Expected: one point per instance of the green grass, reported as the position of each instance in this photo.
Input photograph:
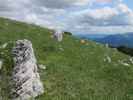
(78, 72)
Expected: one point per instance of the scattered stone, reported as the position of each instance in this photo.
(104, 60)
(58, 35)
(4, 45)
(26, 82)
(61, 49)
(107, 59)
(123, 63)
(1, 63)
(41, 66)
(131, 60)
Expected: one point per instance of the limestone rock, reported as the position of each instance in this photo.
(58, 35)
(4, 45)
(41, 66)
(1, 63)
(25, 79)
(131, 60)
(107, 59)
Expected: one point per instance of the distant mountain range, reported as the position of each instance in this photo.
(115, 40)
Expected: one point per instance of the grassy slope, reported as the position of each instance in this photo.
(78, 72)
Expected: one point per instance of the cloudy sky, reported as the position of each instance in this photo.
(77, 16)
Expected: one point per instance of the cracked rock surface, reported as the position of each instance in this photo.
(25, 79)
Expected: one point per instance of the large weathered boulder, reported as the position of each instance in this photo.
(25, 79)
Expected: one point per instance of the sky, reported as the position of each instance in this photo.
(77, 16)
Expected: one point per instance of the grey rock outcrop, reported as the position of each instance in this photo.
(58, 35)
(25, 80)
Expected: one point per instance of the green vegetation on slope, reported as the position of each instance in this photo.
(74, 71)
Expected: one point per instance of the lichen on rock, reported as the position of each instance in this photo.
(25, 78)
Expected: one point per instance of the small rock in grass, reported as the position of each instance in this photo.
(1, 63)
(41, 66)
(131, 60)
(108, 59)
(4, 45)
(61, 49)
(123, 63)
(58, 35)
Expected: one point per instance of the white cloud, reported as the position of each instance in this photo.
(106, 19)
(59, 14)
(61, 3)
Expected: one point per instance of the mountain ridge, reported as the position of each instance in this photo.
(118, 40)
(114, 40)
